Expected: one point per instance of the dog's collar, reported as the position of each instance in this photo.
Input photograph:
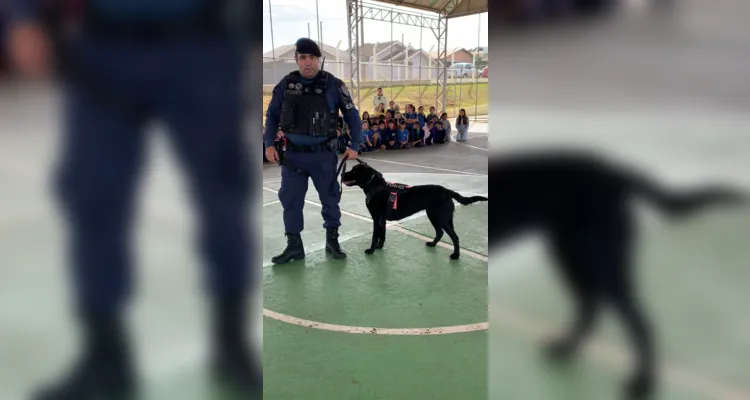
(374, 190)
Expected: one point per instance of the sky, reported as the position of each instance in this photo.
(291, 18)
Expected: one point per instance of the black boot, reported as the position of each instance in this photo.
(294, 250)
(104, 370)
(332, 244)
(232, 364)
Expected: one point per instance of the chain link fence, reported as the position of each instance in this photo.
(403, 84)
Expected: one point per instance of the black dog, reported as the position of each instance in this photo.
(581, 203)
(392, 202)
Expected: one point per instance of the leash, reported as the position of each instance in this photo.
(340, 171)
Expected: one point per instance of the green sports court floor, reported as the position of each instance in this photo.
(693, 275)
(405, 322)
(425, 316)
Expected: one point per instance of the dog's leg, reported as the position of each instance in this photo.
(566, 346)
(641, 383)
(375, 237)
(448, 227)
(614, 251)
(435, 220)
(381, 239)
(571, 257)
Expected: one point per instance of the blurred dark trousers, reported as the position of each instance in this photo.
(194, 87)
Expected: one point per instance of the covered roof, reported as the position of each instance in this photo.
(450, 8)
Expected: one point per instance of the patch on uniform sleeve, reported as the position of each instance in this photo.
(345, 91)
(346, 97)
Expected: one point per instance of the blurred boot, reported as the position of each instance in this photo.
(104, 369)
(232, 363)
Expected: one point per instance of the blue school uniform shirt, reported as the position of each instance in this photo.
(368, 134)
(410, 116)
(402, 135)
(390, 134)
(421, 120)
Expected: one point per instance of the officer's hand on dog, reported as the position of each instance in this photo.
(29, 49)
(350, 154)
(272, 155)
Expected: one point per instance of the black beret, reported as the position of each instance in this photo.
(307, 46)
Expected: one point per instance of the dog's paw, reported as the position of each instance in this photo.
(454, 256)
(369, 251)
(430, 244)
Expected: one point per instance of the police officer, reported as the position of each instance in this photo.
(132, 61)
(305, 106)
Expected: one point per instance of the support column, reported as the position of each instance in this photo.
(353, 19)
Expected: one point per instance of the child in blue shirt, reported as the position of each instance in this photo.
(402, 136)
(411, 119)
(377, 134)
(416, 139)
(439, 133)
(389, 137)
(421, 117)
(367, 142)
(431, 116)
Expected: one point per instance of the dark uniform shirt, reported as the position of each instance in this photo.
(120, 9)
(333, 96)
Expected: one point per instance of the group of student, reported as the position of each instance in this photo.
(390, 129)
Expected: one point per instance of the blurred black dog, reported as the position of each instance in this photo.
(392, 202)
(582, 204)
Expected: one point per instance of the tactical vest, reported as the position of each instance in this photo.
(305, 108)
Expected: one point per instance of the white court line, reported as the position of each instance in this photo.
(469, 253)
(272, 181)
(271, 203)
(614, 356)
(444, 330)
(382, 331)
(397, 227)
(473, 147)
(320, 205)
(422, 166)
(531, 327)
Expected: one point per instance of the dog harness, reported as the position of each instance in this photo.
(395, 189)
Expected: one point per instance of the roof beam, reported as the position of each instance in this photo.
(377, 13)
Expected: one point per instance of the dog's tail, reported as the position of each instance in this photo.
(685, 203)
(465, 200)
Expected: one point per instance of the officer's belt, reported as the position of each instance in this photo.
(314, 148)
(283, 145)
